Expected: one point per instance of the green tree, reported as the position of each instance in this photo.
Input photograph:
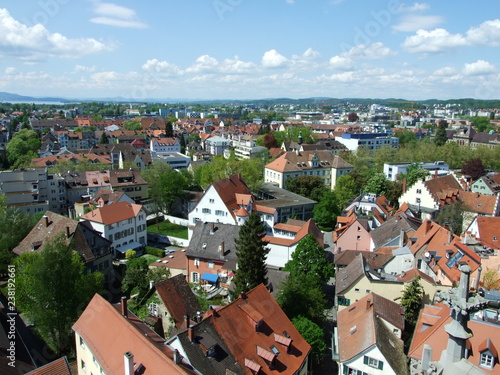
(377, 184)
(103, 140)
(135, 275)
(23, 147)
(299, 297)
(169, 129)
(413, 174)
(309, 261)
(411, 301)
(252, 252)
(53, 289)
(440, 138)
(311, 187)
(312, 333)
(452, 216)
(346, 188)
(132, 124)
(491, 280)
(327, 209)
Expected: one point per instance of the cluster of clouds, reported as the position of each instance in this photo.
(355, 68)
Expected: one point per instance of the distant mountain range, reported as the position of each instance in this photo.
(391, 102)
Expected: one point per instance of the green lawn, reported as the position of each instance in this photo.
(169, 229)
(150, 258)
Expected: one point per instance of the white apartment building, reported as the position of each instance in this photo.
(124, 224)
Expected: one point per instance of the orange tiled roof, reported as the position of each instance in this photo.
(109, 335)
(113, 213)
(235, 324)
(489, 231)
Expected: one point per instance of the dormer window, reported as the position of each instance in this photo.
(487, 360)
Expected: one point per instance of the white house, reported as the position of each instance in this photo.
(321, 163)
(124, 224)
(161, 145)
(216, 145)
(391, 170)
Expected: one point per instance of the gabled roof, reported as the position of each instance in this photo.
(489, 231)
(229, 189)
(442, 186)
(388, 232)
(480, 203)
(292, 161)
(109, 335)
(113, 213)
(108, 196)
(347, 276)
(178, 298)
(376, 260)
(361, 327)
(58, 367)
(207, 238)
(236, 322)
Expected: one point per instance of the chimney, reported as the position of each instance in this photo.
(128, 364)
(426, 357)
(404, 185)
(191, 334)
(435, 174)
(243, 295)
(368, 304)
(401, 238)
(46, 220)
(177, 357)
(186, 320)
(212, 228)
(124, 306)
(221, 248)
(68, 233)
(428, 225)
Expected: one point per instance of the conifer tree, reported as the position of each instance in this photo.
(412, 300)
(251, 251)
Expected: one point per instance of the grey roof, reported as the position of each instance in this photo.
(275, 197)
(401, 251)
(207, 238)
(206, 335)
(349, 275)
(391, 347)
(390, 231)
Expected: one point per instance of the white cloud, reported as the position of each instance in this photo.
(87, 69)
(488, 33)
(373, 51)
(446, 71)
(437, 40)
(116, 15)
(10, 70)
(479, 67)
(415, 7)
(36, 42)
(163, 67)
(273, 59)
(440, 40)
(414, 22)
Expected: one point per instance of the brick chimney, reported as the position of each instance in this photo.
(243, 295)
(221, 248)
(68, 232)
(368, 304)
(186, 320)
(128, 363)
(191, 334)
(46, 220)
(428, 225)
(124, 306)
(212, 228)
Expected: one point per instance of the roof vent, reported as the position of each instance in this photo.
(353, 330)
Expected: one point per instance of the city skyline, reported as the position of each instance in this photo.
(241, 49)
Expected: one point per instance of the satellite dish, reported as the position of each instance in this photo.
(427, 254)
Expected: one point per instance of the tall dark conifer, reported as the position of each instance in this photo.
(252, 252)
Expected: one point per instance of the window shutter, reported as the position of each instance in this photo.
(345, 370)
(365, 360)
(380, 365)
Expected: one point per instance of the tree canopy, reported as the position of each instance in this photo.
(53, 289)
(23, 147)
(132, 124)
(474, 168)
(327, 209)
(312, 333)
(310, 262)
(311, 187)
(252, 252)
(411, 300)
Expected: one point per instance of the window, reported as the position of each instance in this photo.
(130, 221)
(417, 200)
(210, 264)
(351, 371)
(487, 360)
(211, 201)
(196, 261)
(206, 210)
(356, 290)
(219, 213)
(372, 362)
(82, 365)
(195, 277)
(419, 191)
(82, 343)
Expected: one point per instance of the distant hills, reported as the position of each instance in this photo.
(390, 102)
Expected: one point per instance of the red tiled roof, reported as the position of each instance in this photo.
(109, 335)
(58, 367)
(243, 341)
(489, 231)
(113, 213)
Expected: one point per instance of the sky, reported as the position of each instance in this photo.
(250, 49)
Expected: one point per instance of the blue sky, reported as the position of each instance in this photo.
(250, 49)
